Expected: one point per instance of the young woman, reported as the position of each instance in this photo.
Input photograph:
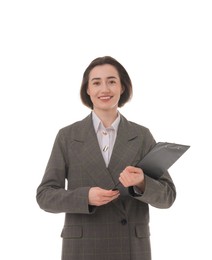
(107, 196)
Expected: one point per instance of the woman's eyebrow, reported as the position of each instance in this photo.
(95, 79)
(110, 77)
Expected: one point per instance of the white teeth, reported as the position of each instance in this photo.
(104, 97)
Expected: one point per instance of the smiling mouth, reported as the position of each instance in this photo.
(105, 97)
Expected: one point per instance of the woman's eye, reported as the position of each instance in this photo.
(96, 83)
(112, 82)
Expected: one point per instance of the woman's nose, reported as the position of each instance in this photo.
(105, 86)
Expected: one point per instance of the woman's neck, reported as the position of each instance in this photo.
(107, 117)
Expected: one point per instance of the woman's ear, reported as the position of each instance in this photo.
(122, 89)
(88, 92)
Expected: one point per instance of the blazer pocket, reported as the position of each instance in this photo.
(71, 232)
(142, 231)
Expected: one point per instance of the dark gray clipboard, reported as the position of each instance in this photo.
(162, 156)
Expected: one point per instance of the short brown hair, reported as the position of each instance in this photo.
(123, 75)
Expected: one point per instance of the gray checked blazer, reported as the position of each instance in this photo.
(120, 229)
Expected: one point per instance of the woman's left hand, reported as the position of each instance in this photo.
(132, 176)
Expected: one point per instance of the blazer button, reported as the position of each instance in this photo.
(123, 221)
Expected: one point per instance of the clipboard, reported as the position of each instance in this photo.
(162, 156)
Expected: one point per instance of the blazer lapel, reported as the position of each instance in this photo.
(125, 149)
(91, 157)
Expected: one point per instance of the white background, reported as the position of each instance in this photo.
(45, 46)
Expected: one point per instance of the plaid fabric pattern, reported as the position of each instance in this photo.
(120, 229)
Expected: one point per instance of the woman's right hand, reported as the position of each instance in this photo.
(98, 196)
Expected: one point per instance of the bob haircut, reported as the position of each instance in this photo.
(123, 75)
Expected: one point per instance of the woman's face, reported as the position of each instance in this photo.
(104, 87)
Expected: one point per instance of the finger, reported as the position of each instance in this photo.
(126, 176)
(110, 193)
(109, 199)
(124, 181)
(129, 179)
(130, 169)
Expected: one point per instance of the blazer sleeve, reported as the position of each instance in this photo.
(159, 193)
(51, 193)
